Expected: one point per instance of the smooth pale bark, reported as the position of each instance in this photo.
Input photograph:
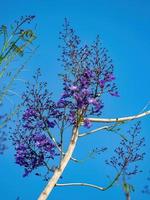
(96, 130)
(58, 172)
(122, 119)
(81, 184)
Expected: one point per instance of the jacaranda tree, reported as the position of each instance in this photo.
(44, 125)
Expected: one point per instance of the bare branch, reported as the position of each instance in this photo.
(92, 185)
(95, 130)
(122, 119)
(81, 184)
(108, 128)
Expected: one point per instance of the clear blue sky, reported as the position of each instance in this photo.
(124, 27)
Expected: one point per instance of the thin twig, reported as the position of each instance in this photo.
(108, 128)
(95, 130)
(81, 184)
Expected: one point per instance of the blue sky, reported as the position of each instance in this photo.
(124, 28)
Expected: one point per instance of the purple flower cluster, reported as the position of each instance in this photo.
(33, 150)
(80, 91)
(128, 153)
(33, 145)
(39, 108)
(78, 95)
(89, 74)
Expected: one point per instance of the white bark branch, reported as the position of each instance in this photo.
(81, 184)
(58, 172)
(122, 119)
(95, 130)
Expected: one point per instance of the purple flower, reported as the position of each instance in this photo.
(102, 83)
(85, 92)
(51, 124)
(62, 103)
(73, 88)
(92, 101)
(87, 123)
(29, 113)
(110, 77)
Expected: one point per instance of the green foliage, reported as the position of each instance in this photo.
(14, 41)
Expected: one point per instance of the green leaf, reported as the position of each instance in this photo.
(128, 188)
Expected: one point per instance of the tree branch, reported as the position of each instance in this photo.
(122, 119)
(108, 128)
(58, 172)
(92, 185)
(81, 184)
